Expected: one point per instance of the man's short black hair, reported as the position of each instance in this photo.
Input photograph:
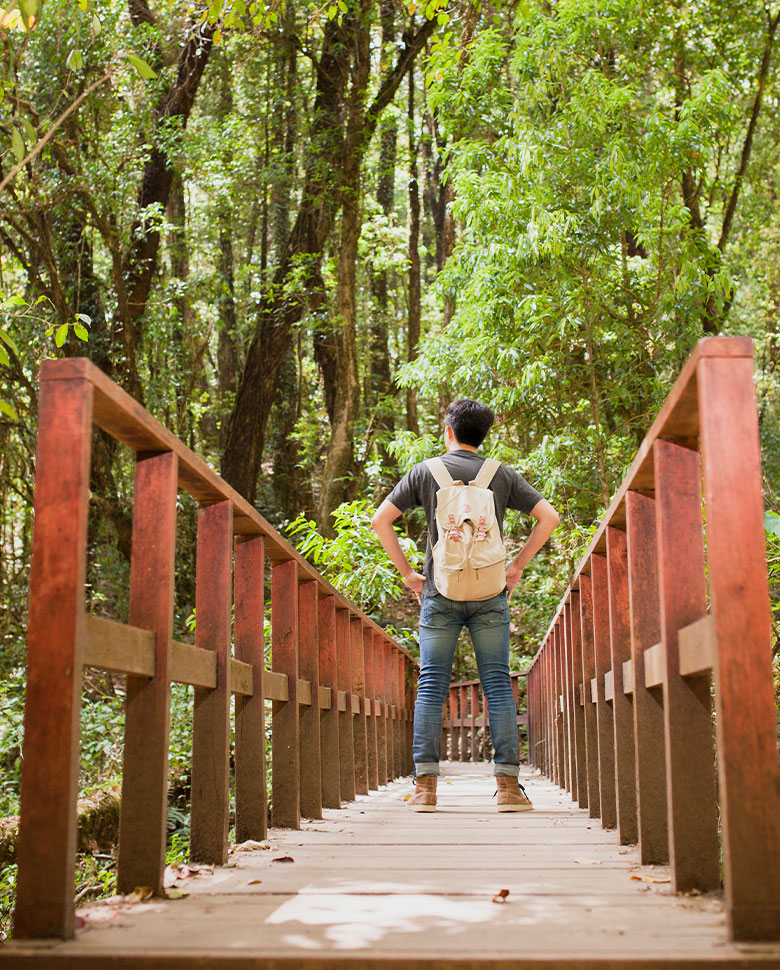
(470, 421)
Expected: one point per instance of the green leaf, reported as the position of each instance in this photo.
(16, 300)
(28, 10)
(75, 60)
(61, 334)
(32, 134)
(4, 358)
(772, 524)
(9, 341)
(9, 409)
(141, 66)
(97, 27)
(84, 317)
(17, 144)
(81, 332)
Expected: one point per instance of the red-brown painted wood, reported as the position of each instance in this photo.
(211, 718)
(359, 721)
(329, 718)
(285, 730)
(248, 631)
(560, 712)
(372, 742)
(604, 718)
(580, 750)
(346, 732)
(392, 712)
(749, 779)
(589, 707)
(690, 776)
(648, 703)
(309, 669)
(622, 706)
(144, 816)
(465, 747)
(475, 752)
(399, 728)
(454, 750)
(569, 701)
(380, 691)
(50, 768)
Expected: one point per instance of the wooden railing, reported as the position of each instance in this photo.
(465, 729)
(341, 687)
(668, 612)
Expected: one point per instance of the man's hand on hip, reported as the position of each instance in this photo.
(415, 583)
(513, 576)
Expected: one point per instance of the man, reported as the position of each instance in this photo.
(442, 619)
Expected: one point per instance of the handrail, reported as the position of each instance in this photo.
(465, 724)
(340, 685)
(664, 613)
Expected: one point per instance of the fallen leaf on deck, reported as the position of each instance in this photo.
(254, 882)
(500, 896)
(140, 893)
(588, 862)
(643, 878)
(283, 858)
(252, 846)
(622, 851)
(176, 894)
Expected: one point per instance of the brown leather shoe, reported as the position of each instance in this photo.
(511, 795)
(424, 798)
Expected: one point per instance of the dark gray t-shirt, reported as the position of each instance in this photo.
(418, 487)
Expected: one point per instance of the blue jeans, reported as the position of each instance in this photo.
(441, 621)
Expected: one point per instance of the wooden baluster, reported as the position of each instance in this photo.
(381, 695)
(648, 703)
(285, 726)
(578, 693)
(359, 694)
(560, 714)
(144, 816)
(604, 715)
(346, 725)
(589, 710)
(372, 743)
(454, 747)
(392, 695)
(569, 699)
(464, 732)
(549, 741)
(309, 717)
(530, 688)
(690, 775)
(746, 725)
(329, 718)
(46, 851)
(411, 692)
(248, 624)
(211, 718)
(399, 745)
(565, 697)
(474, 726)
(553, 707)
(622, 707)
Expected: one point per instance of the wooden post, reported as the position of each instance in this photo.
(248, 627)
(392, 711)
(474, 716)
(589, 710)
(359, 692)
(464, 734)
(309, 667)
(746, 730)
(604, 718)
(144, 815)
(560, 717)
(648, 703)
(211, 719)
(285, 726)
(452, 696)
(329, 718)
(346, 725)
(690, 775)
(622, 707)
(399, 744)
(410, 693)
(549, 696)
(372, 745)
(571, 729)
(578, 693)
(52, 716)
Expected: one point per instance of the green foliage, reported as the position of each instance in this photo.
(7, 900)
(354, 561)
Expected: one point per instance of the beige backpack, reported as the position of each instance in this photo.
(469, 558)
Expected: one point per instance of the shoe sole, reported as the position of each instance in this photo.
(423, 808)
(515, 808)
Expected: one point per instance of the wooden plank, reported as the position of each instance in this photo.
(52, 714)
(690, 774)
(570, 700)
(346, 726)
(285, 726)
(390, 656)
(628, 677)
(309, 718)
(655, 666)
(360, 735)
(609, 686)
(604, 717)
(473, 725)
(248, 623)
(380, 689)
(342, 700)
(648, 704)
(123, 649)
(746, 719)
(622, 707)
(193, 665)
(241, 677)
(698, 647)
(275, 686)
(465, 748)
(453, 696)
(329, 717)
(372, 752)
(144, 816)
(211, 717)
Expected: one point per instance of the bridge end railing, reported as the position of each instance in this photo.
(665, 626)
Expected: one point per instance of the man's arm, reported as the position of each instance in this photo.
(382, 522)
(546, 520)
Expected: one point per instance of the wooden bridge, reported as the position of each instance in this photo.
(663, 620)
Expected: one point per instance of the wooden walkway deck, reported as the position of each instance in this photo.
(376, 886)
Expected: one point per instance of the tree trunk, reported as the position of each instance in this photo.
(413, 252)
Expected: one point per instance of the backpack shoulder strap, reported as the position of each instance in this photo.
(438, 469)
(487, 472)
